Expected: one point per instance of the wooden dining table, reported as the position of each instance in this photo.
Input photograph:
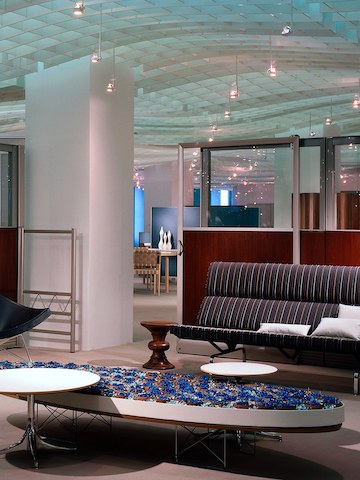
(166, 254)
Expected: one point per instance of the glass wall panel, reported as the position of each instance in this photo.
(310, 187)
(251, 187)
(347, 186)
(8, 190)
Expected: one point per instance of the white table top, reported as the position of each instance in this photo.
(44, 380)
(238, 369)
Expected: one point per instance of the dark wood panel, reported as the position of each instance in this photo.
(203, 247)
(313, 247)
(348, 211)
(309, 210)
(8, 262)
(343, 248)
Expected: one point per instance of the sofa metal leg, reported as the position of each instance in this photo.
(230, 349)
(356, 383)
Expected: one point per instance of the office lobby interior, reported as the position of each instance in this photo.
(234, 125)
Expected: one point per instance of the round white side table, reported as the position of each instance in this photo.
(37, 380)
(238, 369)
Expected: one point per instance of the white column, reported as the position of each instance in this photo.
(78, 173)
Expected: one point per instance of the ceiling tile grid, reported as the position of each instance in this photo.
(185, 56)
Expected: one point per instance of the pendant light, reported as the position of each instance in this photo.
(111, 85)
(328, 119)
(288, 29)
(311, 131)
(356, 101)
(234, 88)
(96, 56)
(271, 71)
(79, 8)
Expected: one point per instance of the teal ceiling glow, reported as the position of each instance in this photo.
(183, 54)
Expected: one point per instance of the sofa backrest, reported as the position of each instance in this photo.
(249, 313)
(305, 283)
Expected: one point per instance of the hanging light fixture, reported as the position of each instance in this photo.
(271, 71)
(227, 113)
(213, 130)
(111, 85)
(356, 101)
(311, 131)
(328, 119)
(288, 29)
(234, 88)
(79, 8)
(96, 56)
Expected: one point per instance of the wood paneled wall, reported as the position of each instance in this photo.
(8, 262)
(348, 210)
(203, 246)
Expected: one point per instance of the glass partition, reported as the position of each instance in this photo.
(243, 184)
(8, 186)
(347, 186)
(251, 187)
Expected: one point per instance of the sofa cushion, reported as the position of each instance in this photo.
(339, 327)
(349, 311)
(279, 340)
(289, 328)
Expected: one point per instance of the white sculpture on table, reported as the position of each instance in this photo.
(169, 241)
(161, 239)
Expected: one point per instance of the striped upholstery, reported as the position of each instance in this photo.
(305, 283)
(248, 313)
(241, 296)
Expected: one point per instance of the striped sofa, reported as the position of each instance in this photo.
(241, 296)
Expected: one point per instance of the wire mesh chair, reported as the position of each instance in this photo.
(147, 264)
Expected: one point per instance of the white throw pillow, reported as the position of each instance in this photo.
(288, 328)
(338, 327)
(349, 311)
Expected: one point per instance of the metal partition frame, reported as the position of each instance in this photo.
(206, 147)
(49, 298)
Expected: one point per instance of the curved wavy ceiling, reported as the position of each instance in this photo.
(184, 53)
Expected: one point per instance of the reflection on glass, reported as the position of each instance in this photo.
(7, 191)
(251, 188)
(347, 174)
(310, 188)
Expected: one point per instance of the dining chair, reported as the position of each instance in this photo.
(147, 264)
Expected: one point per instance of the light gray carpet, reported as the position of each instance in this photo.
(130, 450)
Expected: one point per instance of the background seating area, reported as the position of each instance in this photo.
(147, 264)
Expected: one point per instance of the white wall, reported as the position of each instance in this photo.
(78, 173)
(160, 189)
